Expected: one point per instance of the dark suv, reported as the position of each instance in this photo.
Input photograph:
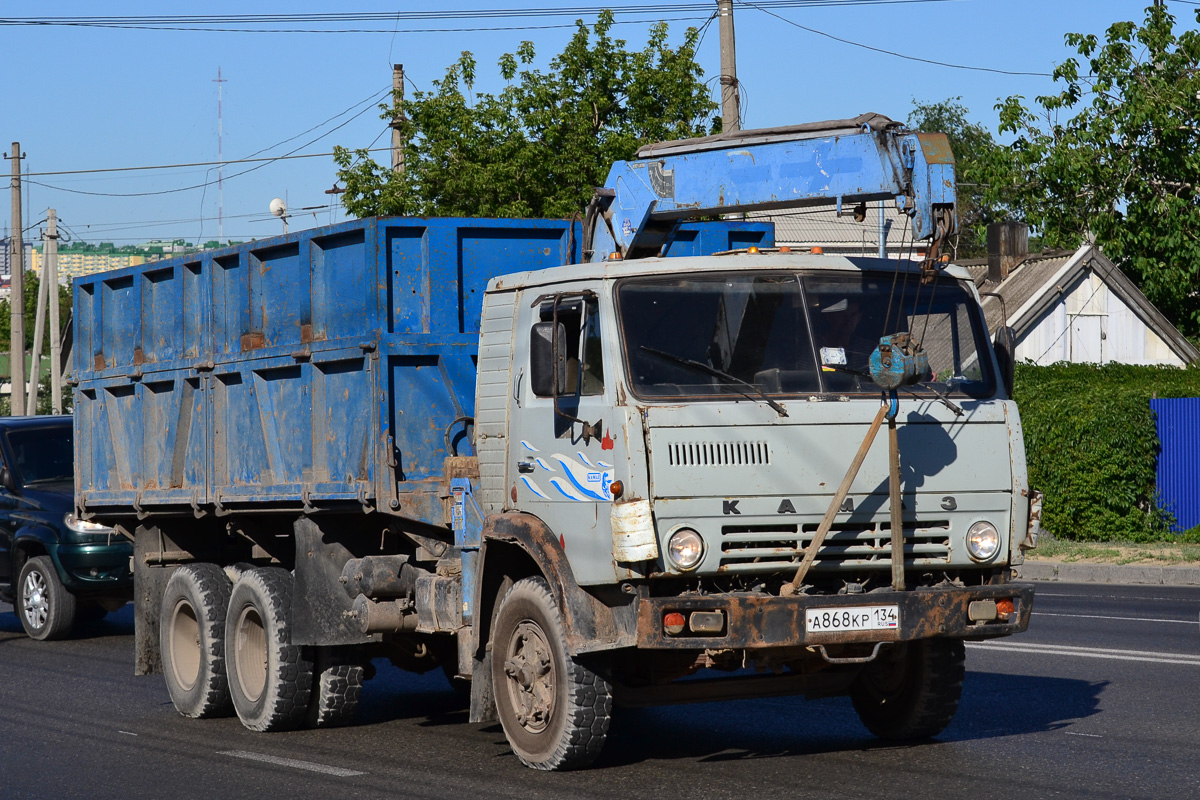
(54, 567)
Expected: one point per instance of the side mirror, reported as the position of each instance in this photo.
(542, 368)
(7, 480)
(1006, 351)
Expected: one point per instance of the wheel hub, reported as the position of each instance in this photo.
(35, 604)
(530, 676)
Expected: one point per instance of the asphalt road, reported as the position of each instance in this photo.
(1098, 700)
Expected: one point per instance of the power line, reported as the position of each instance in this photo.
(759, 7)
(205, 21)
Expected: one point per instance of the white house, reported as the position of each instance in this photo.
(1074, 306)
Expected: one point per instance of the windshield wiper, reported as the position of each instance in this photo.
(716, 373)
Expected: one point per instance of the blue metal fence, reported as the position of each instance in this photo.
(1178, 423)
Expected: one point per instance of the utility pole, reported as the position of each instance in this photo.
(730, 106)
(16, 349)
(39, 327)
(397, 98)
(50, 276)
(220, 164)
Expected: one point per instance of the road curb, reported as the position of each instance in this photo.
(1074, 572)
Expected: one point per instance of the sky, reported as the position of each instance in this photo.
(122, 94)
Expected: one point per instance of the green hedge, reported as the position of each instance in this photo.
(1092, 446)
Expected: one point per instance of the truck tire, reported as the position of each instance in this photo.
(191, 631)
(554, 709)
(46, 608)
(915, 695)
(270, 679)
(337, 685)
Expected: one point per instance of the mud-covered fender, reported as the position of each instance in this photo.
(593, 619)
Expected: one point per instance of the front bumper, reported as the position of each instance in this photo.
(97, 567)
(760, 621)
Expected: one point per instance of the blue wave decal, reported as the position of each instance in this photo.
(602, 464)
(541, 462)
(528, 446)
(584, 458)
(566, 491)
(533, 487)
(590, 482)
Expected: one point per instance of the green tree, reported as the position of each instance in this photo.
(982, 168)
(30, 287)
(540, 146)
(1115, 155)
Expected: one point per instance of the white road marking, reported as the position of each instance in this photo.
(1127, 619)
(1089, 735)
(291, 762)
(127, 733)
(1089, 652)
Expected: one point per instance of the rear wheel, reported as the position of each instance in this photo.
(554, 709)
(46, 608)
(337, 685)
(913, 694)
(270, 679)
(191, 633)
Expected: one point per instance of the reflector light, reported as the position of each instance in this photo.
(616, 489)
(673, 623)
(785, 249)
(1005, 607)
(752, 250)
(614, 256)
(817, 251)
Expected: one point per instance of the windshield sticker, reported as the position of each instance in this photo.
(832, 357)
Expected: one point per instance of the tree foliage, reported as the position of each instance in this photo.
(1092, 446)
(540, 146)
(1115, 155)
(31, 285)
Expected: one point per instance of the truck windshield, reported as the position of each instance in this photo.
(41, 455)
(789, 333)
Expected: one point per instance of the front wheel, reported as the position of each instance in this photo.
(554, 709)
(914, 693)
(46, 608)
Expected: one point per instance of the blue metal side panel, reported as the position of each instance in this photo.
(1178, 424)
(323, 365)
(705, 238)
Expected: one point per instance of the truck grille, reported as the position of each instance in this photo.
(718, 454)
(766, 548)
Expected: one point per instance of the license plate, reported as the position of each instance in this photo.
(852, 618)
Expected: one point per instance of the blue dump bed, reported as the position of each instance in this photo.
(324, 367)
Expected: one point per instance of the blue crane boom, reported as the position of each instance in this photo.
(839, 162)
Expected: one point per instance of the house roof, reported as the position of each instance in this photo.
(822, 226)
(1036, 284)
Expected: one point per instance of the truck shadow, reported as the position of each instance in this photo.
(993, 706)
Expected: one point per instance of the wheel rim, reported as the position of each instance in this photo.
(251, 644)
(35, 599)
(185, 645)
(529, 668)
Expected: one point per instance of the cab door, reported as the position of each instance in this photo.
(561, 448)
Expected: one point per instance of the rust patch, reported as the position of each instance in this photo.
(98, 361)
(306, 333)
(936, 148)
(139, 357)
(252, 340)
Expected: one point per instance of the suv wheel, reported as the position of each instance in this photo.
(46, 608)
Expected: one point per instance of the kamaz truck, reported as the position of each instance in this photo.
(578, 466)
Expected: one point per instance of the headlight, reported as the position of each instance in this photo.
(84, 526)
(983, 541)
(685, 548)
